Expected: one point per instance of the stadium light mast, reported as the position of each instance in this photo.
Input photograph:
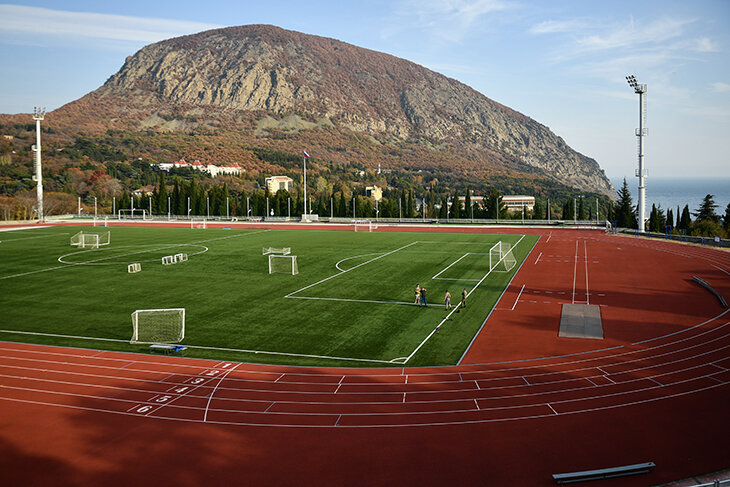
(306, 156)
(641, 132)
(38, 114)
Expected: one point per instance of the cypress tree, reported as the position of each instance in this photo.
(467, 204)
(686, 220)
(626, 215)
(726, 220)
(443, 210)
(455, 211)
(537, 213)
(162, 195)
(431, 204)
(581, 209)
(670, 217)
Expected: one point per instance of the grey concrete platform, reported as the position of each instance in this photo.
(581, 321)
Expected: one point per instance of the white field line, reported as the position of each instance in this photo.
(456, 307)
(337, 265)
(548, 239)
(518, 297)
(360, 300)
(8, 240)
(210, 396)
(263, 352)
(94, 261)
(291, 294)
(449, 266)
(538, 258)
(18, 229)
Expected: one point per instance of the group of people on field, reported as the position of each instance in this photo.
(420, 299)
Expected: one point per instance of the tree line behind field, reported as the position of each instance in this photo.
(706, 223)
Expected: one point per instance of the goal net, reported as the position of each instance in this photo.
(276, 250)
(364, 225)
(283, 264)
(133, 214)
(86, 240)
(501, 258)
(197, 223)
(158, 325)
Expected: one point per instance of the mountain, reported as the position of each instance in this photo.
(291, 90)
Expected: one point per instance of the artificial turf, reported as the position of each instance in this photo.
(349, 305)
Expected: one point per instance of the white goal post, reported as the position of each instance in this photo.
(133, 214)
(198, 223)
(276, 250)
(165, 325)
(501, 258)
(89, 240)
(364, 225)
(283, 264)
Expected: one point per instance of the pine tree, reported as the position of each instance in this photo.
(706, 211)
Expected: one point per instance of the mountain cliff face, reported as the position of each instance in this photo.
(279, 72)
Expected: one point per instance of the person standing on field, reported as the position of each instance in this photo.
(463, 298)
(423, 297)
(447, 299)
(418, 294)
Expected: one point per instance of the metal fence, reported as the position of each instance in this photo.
(708, 241)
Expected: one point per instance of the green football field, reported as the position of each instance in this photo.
(351, 303)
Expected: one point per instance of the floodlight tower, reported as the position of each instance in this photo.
(38, 114)
(641, 132)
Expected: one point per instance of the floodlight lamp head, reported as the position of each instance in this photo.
(39, 113)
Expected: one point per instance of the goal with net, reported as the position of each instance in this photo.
(87, 240)
(197, 223)
(133, 214)
(276, 250)
(501, 258)
(364, 225)
(283, 264)
(158, 325)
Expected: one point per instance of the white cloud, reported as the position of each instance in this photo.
(704, 44)
(44, 22)
(449, 20)
(721, 87)
(558, 26)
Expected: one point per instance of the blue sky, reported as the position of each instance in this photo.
(562, 63)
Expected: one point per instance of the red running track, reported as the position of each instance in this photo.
(523, 403)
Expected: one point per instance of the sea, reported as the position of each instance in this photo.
(673, 192)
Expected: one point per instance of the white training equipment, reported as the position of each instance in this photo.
(283, 264)
(274, 250)
(158, 325)
(90, 240)
(501, 258)
(134, 214)
(174, 259)
(364, 225)
(136, 267)
(197, 223)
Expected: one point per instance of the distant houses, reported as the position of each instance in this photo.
(233, 169)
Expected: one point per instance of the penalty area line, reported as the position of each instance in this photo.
(404, 303)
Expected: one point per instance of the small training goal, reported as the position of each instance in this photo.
(88, 240)
(198, 223)
(134, 268)
(174, 259)
(132, 214)
(165, 325)
(276, 250)
(364, 225)
(283, 264)
(501, 258)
